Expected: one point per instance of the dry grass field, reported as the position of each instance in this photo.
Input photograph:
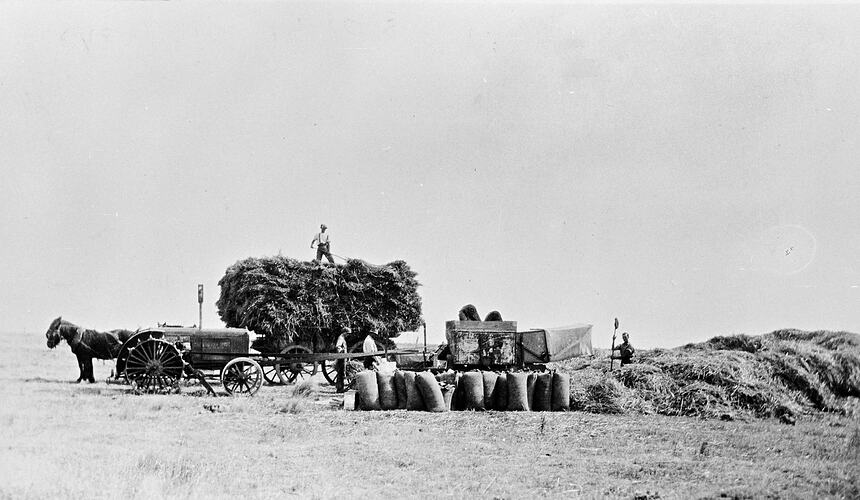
(65, 440)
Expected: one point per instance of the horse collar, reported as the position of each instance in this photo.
(73, 339)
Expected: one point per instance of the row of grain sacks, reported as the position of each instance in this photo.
(473, 390)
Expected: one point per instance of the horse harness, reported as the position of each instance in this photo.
(77, 340)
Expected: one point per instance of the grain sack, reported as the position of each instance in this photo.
(387, 393)
(400, 389)
(368, 391)
(490, 379)
(518, 397)
(473, 390)
(430, 391)
(560, 392)
(530, 388)
(500, 392)
(542, 394)
(414, 401)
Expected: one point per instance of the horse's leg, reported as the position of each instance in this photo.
(81, 368)
(89, 374)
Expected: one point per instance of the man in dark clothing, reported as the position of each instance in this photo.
(340, 348)
(625, 350)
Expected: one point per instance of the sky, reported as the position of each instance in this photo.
(689, 169)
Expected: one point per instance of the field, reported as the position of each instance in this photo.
(64, 440)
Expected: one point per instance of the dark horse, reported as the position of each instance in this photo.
(86, 344)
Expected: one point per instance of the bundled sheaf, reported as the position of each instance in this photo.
(286, 300)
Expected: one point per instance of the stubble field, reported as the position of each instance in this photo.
(64, 440)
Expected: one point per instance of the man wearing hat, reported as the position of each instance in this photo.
(323, 245)
(340, 365)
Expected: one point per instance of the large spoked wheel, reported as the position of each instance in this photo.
(329, 370)
(296, 370)
(130, 344)
(242, 376)
(351, 367)
(272, 373)
(154, 366)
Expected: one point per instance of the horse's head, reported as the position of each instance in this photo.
(53, 333)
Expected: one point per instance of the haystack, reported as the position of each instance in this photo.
(290, 301)
(781, 373)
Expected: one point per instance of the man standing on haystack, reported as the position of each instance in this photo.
(323, 245)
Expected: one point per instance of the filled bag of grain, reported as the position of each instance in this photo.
(518, 397)
(530, 388)
(473, 390)
(400, 389)
(387, 392)
(560, 392)
(500, 392)
(414, 401)
(490, 379)
(368, 390)
(542, 397)
(430, 391)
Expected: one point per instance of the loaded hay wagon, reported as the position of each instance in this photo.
(299, 308)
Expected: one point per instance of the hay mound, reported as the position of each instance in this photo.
(287, 300)
(774, 375)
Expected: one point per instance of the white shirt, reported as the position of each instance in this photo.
(322, 238)
(340, 346)
(369, 344)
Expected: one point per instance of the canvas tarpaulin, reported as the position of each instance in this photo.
(556, 344)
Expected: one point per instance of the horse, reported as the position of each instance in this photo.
(86, 344)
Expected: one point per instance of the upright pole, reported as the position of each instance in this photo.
(612, 352)
(200, 306)
(425, 344)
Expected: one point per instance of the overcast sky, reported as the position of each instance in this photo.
(691, 170)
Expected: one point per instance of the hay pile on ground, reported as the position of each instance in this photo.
(286, 300)
(780, 374)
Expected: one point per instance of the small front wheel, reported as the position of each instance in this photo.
(242, 376)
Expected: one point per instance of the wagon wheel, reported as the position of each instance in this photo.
(329, 370)
(154, 365)
(292, 371)
(351, 367)
(242, 376)
(271, 372)
(130, 344)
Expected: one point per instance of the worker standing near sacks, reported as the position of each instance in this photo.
(369, 345)
(340, 348)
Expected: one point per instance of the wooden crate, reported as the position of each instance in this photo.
(482, 343)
